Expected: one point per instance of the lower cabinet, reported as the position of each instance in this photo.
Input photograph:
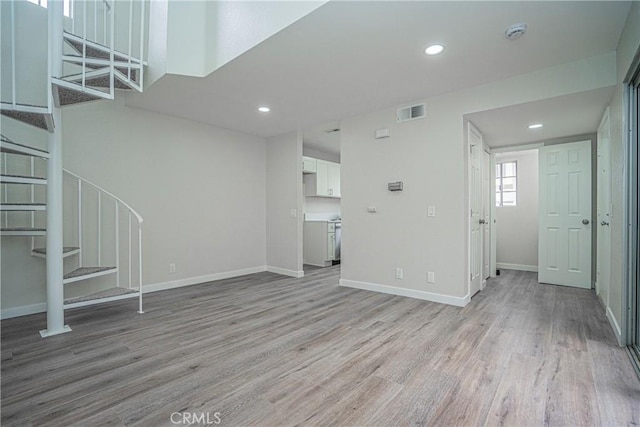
(319, 243)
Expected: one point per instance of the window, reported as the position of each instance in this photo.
(43, 3)
(506, 178)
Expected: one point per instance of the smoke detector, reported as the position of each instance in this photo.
(515, 31)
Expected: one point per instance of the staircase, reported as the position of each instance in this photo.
(84, 66)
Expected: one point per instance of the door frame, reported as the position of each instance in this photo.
(472, 128)
(493, 223)
(601, 210)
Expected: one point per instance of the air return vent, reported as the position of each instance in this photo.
(411, 113)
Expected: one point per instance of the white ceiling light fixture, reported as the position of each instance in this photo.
(535, 126)
(434, 49)
(264, 109)
(515, 31)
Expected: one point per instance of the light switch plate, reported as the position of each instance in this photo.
(431, 211)
(372, 209)
(293, 213)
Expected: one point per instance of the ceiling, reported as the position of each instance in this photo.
(569, 115)
(348, 58)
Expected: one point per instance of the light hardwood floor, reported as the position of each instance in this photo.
(270, 350)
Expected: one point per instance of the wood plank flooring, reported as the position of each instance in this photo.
(269, 350)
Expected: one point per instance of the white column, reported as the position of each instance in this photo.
(55, 290)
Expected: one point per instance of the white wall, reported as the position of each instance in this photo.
(202, 36)
(200, 189)
(320, 204)
(239, 26)
(31, 35)
(627, 47)
(517, 226)
(430, 157)
(284, 195)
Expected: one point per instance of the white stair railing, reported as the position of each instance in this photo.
(99, 21)
(134, 232)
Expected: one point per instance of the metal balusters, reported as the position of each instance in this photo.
(13, 55)
(117, 240)
(80, 222)
(130, 266)
(140, 267)
(99, 229)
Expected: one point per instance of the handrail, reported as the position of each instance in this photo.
(116, 198)
(132, 257)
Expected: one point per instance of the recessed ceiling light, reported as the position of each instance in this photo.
(264, 109)
(535, 126)
(434, 49)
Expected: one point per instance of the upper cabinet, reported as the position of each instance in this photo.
(326, 180)
(308, 165)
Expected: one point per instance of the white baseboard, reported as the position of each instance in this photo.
(8, 313)
(24, 310)
(615, 326)
(285, 272)
(411, 293)
(201, 279)
(520, 267)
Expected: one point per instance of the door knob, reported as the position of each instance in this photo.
(482, 221)
(604, 223)
(585, 221)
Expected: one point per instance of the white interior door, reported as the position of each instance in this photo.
(486, 215)
(604, 210)
(475, 199)
(564, 233)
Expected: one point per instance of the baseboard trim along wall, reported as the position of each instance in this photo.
(403, 292)
(520, 267)
(23, 310)
(201, 279)
(285, 272)
(615, 326)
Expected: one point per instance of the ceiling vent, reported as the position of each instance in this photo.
(411, 113)
(515, 31)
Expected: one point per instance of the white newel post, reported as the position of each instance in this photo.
(55, 290)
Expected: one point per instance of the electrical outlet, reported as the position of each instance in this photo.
(431, 277)
(399, 273)
(293, 213)
(172, 268)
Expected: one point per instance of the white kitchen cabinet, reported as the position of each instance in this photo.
(331, 246)
(319, 243)
(325, 182)
(308, 165)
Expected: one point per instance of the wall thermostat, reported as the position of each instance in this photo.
(395, 186)
(383, 133)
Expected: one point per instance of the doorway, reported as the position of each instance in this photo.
(516, 187)
(632, 193)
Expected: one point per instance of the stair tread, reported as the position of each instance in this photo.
(85, 271)
(37, 119)
(93, 49)
(68, 96)
(99, 81)
(66, 249)
(6, 149)
(22, 229)
(24, 204)
(21, 176)
(107, 293)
